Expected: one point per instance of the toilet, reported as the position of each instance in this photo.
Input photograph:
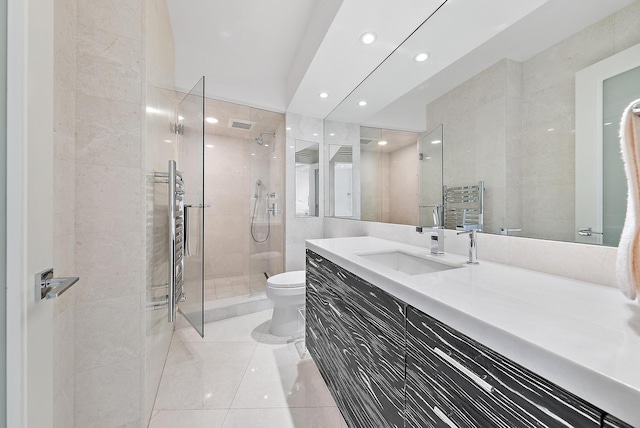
(286, 291)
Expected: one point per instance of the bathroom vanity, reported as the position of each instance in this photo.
(405, 339)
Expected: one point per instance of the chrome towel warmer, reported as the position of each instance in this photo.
(464, 206)
(177, 240)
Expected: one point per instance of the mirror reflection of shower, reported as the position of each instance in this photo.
(270, 208)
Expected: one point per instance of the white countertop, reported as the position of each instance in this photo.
(583, 337)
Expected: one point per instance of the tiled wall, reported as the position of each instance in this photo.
(64, 132)
(298, 229)
(480, 135)
(403, 186)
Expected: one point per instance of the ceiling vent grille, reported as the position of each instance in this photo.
(365, 141)
(240, 124)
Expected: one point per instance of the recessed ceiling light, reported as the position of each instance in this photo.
(211, 120)
(428, 157)
(436, 142)
(332, 134)
(607, 124)
(382, 143)
(210, 145)
(275, 157)
(291, 147)
(152, 110)
(253, 154)
(367, 38)
(288, 128)
(266, 145)
(180, 117)
(168, 141)
(323, 95)
(422, 56)
(362, 103)
(315, 135)
(551, 129)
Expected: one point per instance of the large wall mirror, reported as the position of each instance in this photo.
(500, 84)
(307, 179)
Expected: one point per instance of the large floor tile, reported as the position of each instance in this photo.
(320, 417)
(245, 328)
(277, 377)
(188, 419)
(203, 375)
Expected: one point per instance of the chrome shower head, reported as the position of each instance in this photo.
(259, 140)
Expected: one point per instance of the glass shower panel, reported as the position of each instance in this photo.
(191, 163)
(430, 178)
(618, 92)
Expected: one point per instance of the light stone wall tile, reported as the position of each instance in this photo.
(107, 331)
(106, 397)
(63, 349)
(64, 197)
(63, 405)
(108, 200)
(107, 267)
(108, 132)
(627, 30)
(108, 65)
(121, 17)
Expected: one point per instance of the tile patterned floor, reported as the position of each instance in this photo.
(240, 376)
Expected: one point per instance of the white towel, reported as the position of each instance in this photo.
(628, 261)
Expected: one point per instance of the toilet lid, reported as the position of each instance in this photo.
(287, 279)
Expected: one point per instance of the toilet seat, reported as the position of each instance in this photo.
(292, 279)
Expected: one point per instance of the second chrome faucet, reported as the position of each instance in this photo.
(473, 245)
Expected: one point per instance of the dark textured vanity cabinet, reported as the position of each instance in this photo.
(453, 378)
(355, 334)
(388, 364)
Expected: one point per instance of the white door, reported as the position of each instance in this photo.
(29, 211)
(591, 127)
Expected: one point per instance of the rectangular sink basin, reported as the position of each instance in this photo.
(407, 263)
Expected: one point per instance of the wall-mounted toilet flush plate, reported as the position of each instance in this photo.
(48, 287)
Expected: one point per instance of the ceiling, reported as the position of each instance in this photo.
(279, 55)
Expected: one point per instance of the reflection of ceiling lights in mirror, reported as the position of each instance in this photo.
(436, 142)
(362, 103)
(422, 56)
(210, 146)
(315, 135)
(367, 38)
(382, 143)
(211, 120)
(288, 128)
(168, 141)
(332, 134)
(323, 95)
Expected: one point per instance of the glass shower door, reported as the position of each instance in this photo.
(190, 129)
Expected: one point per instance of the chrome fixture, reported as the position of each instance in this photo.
(177, 238)
(463, 206)
(506, 231)
(48, 287)
(586, 231)
(436, 238)
(260, 140)
(258, 197)
(473, 245)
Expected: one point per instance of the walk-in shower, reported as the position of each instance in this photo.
(244, 179)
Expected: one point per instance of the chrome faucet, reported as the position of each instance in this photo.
(437, 239)
(473, 245)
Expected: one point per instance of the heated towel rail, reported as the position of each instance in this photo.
(463, 206)
(177, 239)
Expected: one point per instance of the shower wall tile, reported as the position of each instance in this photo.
(108, 65)
(106, 397)
(64, 197)
(63, 405)
(403, 186)
(107, 331)
(109, 132)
